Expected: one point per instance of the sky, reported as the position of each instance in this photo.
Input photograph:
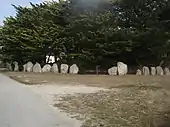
(6, 8)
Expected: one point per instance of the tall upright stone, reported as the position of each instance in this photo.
(29, 67)
(113, 71)
(74, 69)
(9, 66)
(46, 68)
(153, 71)
(159, 70)
(166, 71)
(64, 69)
(16, 66)
(37, 68)
(24, 67)
(122, 68)
(54, 68)
(146, 71)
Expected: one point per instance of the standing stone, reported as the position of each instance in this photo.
(16, 67)
(153, 71)
(74, 69)
(159, 70)
(29, 67)
(24, 67)
(122, 68)
(9, 66)
(139, 72)
(146, 71)
(37, 68)
(46, 68)
(54, 68)
(113, 71)
(166, 71)
(64, 69)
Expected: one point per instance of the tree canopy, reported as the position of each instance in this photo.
(89, 32)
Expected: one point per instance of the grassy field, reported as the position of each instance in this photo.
(130, 101)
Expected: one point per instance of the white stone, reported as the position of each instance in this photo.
(159, 70)
(46, 68)
(37, 68)
(153, 71)
(74, 69)
(54, 68)
(122, 68)
(166, 71)
(64, 69)
(139, 72)
(113, 71)
(146, 71)
(16, 67)
(29, 67)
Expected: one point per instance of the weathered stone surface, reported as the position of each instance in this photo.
(113, 71)
(37, 68)
(153, 71)
(46, 68)
(146, 71)
(166, 71)
(122, 68)
(16, 67)
(29, 67)
(9, 66)
(24, 67)
(159, 70)
(54, 68)
(74, 69)
(139, 72)
(64, 69)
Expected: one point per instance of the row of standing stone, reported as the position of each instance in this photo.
(153, 71)
(30, 67)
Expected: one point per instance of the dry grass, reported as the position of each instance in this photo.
(139, 106)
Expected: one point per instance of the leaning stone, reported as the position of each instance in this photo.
(153, 71)
(9, 66)
(37, 68)
(139, 72)
(64, 69)
(159, 70)
(16, 67)
(122, 68)
(46, 68)
(166, 71)
(54, 68)
(146, 71)
(113, 71)
(74, 69)
(29, 67)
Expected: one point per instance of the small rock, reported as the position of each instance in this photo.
(37, 68)
(139, 72)
(74, 69)
(24, 67)
(122, 68)
(9, 66)
(153, 71)
(146, 71)
(46, 68)
(159, 70)
(113, 71)
(64, 69)
(54, 68)
(166, 71)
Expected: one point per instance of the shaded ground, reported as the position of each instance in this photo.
(130, 101)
